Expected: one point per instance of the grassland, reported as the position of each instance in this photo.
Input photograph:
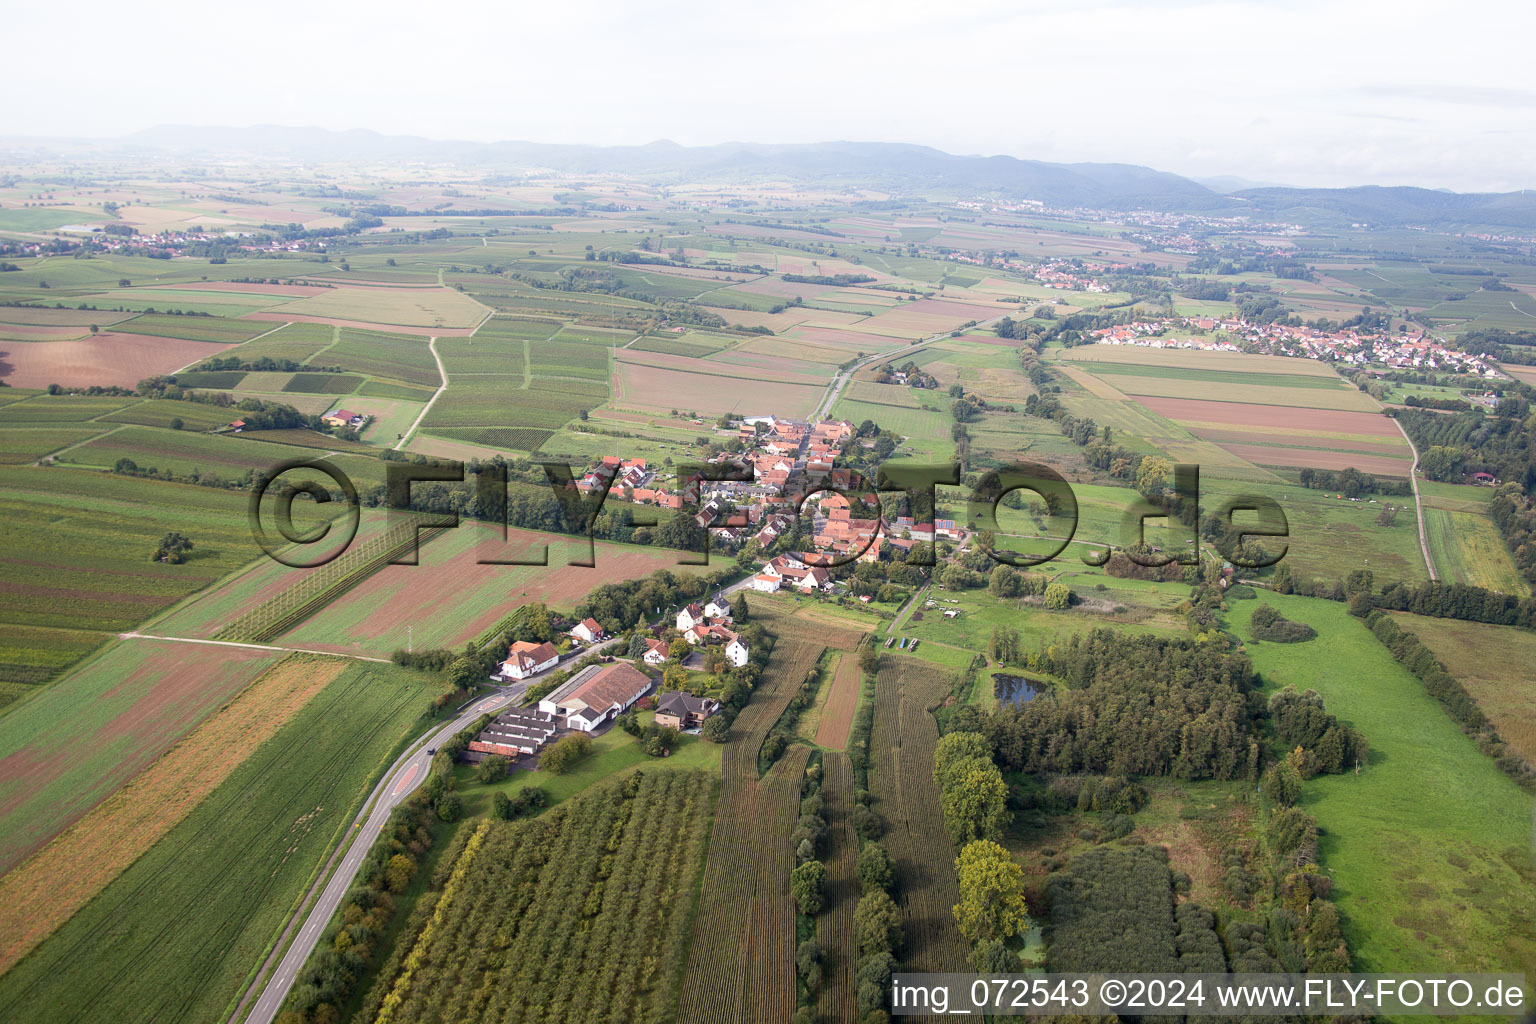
(174, 936)
(1467, 549)
(1429, 846)
(405, 307)
(1492, 662)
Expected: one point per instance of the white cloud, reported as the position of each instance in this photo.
(1309, 92)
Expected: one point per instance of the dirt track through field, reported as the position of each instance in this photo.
(842, 700)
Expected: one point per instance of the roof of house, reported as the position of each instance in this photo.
(683, 704)
(592, 625)
(526, 654)
(601, 686)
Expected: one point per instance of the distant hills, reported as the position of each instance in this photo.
(897, 167)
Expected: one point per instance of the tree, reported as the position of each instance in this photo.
(875, 868)
(463, 674)
(1058, 596)
(563, 754)
(975, 803)
(1152, 475)
(493, 768)
(637, 645)
(877, 923)
(176, 423)
(716, 729)
(173, 548)
(398, 872)
(805, 883)
(992, 904)
(450, 807)
(869, 658)
(679, 649)
(953, 750)
(739, 610)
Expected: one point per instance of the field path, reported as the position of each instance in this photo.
(254, 647)
(1522, 312)
(247, 341)
(844, 376)
(443, 375)
(902, 615)
(1418, 505)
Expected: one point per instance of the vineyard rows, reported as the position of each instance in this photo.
(580, 916)
(904, 793)
(834, 928)
(320, 586)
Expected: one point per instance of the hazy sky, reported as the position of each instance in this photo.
(1308, 93)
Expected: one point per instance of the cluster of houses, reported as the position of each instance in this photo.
(1415, 351)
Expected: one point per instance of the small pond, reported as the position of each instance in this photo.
(1012, 689)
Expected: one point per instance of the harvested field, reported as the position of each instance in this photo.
(407, 307)
(653, 387)
(842, 700)
(849, 341)
(1204, 414)
(1301, 437)
(758, 364)
(449, 599)
(1197, 359)
(294, 290)
(108, 358)
(66, 749)
(902, 790)
(1317, 458)
(47, 889)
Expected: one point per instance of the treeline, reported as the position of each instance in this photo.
(346, 949)
(1453, 697)
(831, 280)
(264, 364)
(1351, 483)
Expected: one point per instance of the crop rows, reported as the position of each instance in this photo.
(834, 928)
(554, 358)
(581, 915)
(319, 587)
(903, 792)
(398, 356)
(59, 409)
(741, 963)
(194, 328)
(521, 439)
(323, 383)
(297, 341)
(482, 355)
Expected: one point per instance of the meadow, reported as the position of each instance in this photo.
(1492, 662)
(175, 935)
(1429, 846)
(1467, 548)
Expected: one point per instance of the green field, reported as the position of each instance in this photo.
(1467, 549)
(113, 715)
(21, 445)
(173, 937)
(194, 328)
(160, 413)
(298, 342)
(1430, 845)
(401, 357)
(59, 409)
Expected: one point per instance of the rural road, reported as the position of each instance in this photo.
(1418, 505)
(844, 376)
(408, 772)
